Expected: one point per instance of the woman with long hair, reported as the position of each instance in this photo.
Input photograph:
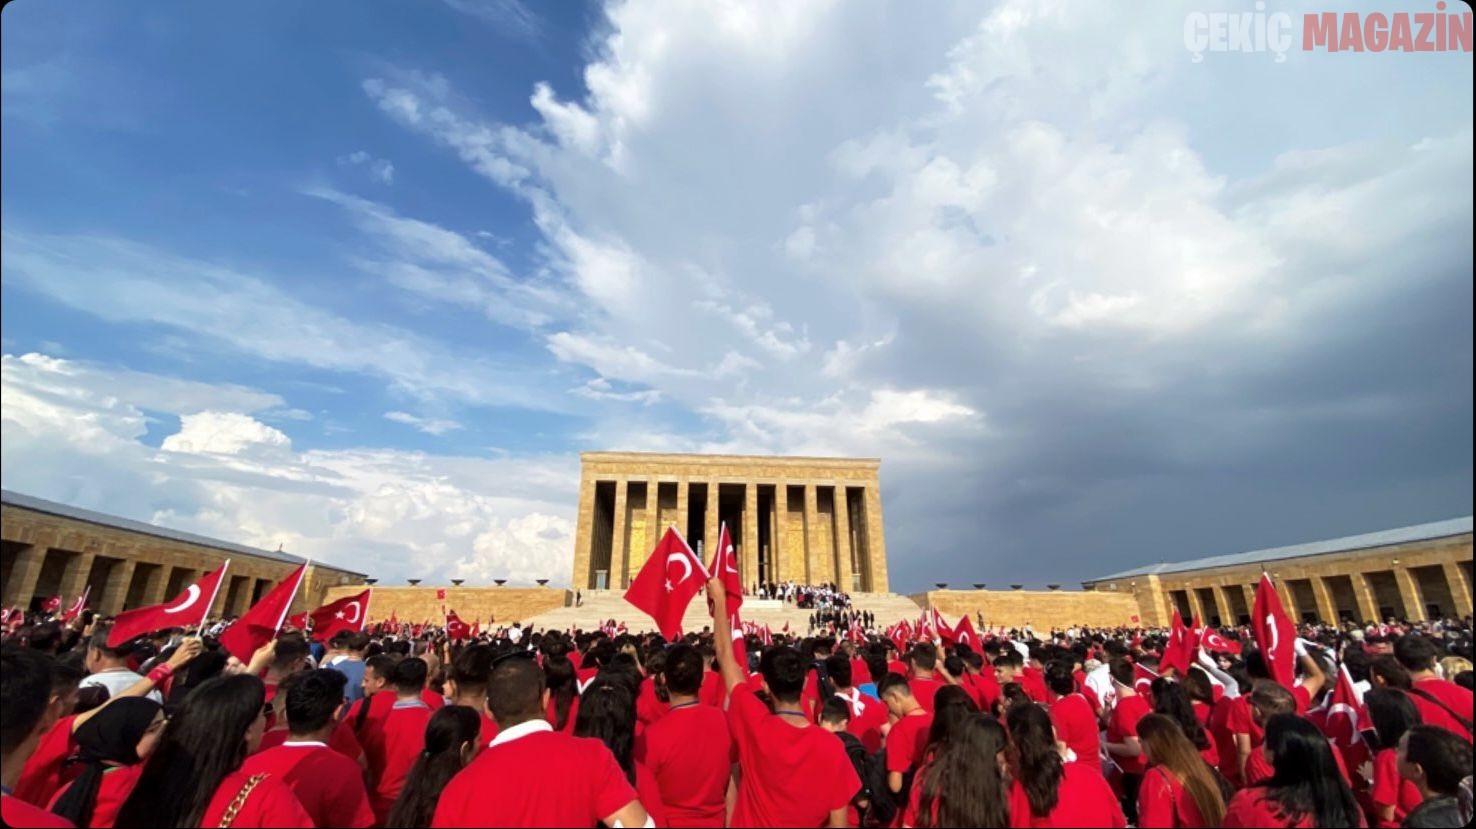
(563, 692)
(1305, 790)
(951, 706)
(110, 748)
(193, 777)
(1201, 694)
(451, 739)
(964, 782)
(1171, 699)
(1393, 714)
(1179, 788)
(607, 713)
(1047, 791)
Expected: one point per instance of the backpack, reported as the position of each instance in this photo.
(882, 806)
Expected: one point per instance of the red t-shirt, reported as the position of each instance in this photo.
(560, 781)
(897, 666)
(1202, 712)
(404, 740)
(1240, 722)
(342, 740)
(712, 691)
(988, 689)
(327, 784)
(1076, 726)
(552, 714)
(117, 784)
(924, 690)
(1032, 682)
(1164, 804)
(42, 776)
(690, 753)
(1251, 808)
(270, 804)
(1389, 789)
(1211, 754)
(649, 793)
(432, 699)
(908, 742)
(371, 733)
(792, 776)
(1083, 798)
(1455, 697)
(1219, 728)
(860, 674)
(649, 707)
(1124, 723)
(17, 812)
(868, 716)
(489, 728)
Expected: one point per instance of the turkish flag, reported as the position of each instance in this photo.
(1344, 712)
(298, 621)
(725, 565)
(1143, 679)
(440, 594)
(1274, 633)
(963, 633)
(260, 624)
(78, 606)
(189, 609)
(51, 605)
(941, 628)
(347, 613)
(455, 628)
(667, 582)
(476, 629)
(1215, 643)
(767, 636)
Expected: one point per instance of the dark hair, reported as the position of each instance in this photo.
(205, 741)
(1173, 752)
(471, 669)
(893, 682)
(1307, 781)
(1060, 678)
(515, 693)
(783, 670)
(607, 713)
(1271, 698)
(25, 692)
(1122, 671)
(961, 782)
(313, 699)
(1416, 652)
(290, 648)
(1036, 758)
(950, 706)
(683, 671)
(99, 642)
(1171, 699)
(563, 686)
(410, 675)
(1386, 667)
(924, 656)
(1392, 713)
(1009, 658)
(445, 733)
(835, 710)
(108, 737)
(876, 665)
(1445, 757)
(1197, 683)
(838, 668)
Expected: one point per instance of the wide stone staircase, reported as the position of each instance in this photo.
(601, 605)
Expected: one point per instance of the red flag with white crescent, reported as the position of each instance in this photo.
(78, 606)
(668, 581)
(725, 567)
(1214, 642)
(348, 613)
(188, 609)
(1275, 634)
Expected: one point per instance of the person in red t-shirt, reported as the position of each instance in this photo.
(563, 692)
(329, 785)
(1438, 763)
(452, 738)
(868, 716)
(907, 740)
(1046, 790)
(541, 777)
(110, 747)
(194, 775)
(366, 715)
(467, 685)
(402, 735)
(924, 685)
(982, 677)
(1171, 699)
(794, 772)
(1122, 733)
(1305, 788)
(1440, 701)
(1076, 725)
(689, 751)
(964, 782)
(1393, 714)
(1178, 789)
(26, 713)
(607, 712)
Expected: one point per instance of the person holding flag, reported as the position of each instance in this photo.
(188, 610)
(260, 624)
(668, 581)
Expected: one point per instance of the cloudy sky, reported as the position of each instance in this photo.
(362, 279)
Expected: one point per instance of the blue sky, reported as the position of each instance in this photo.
(362, 279)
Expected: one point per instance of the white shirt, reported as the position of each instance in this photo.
(117, 681)
(515, 635)
(1100, 681)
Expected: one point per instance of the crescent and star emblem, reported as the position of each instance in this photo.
(682, 560)
(192, 596)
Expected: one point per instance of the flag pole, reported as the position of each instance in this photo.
(224, 569)
(287, 608)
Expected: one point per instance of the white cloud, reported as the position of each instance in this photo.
(429, 425)
(379, 169)
(226, 433)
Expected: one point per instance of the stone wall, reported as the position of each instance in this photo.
(416, 604)
(1040, 609)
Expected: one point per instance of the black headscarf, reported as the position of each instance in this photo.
(109, 738)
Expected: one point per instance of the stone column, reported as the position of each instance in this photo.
(814, 556)
(1326, 608)
(1288, 599)
(1409, 593)
(21, 586)
(777, 537)
(1228, 616)
(619, 552)
(654, 530)
(1367, 603)
(681, 507)
(74, 577)
(1460, 592)
(116, 589)
(1215, 607)
(157, 583)
(710, 523)
(1196, 607)
(584, 534)
(876, 543)
(840, 513)
(1250, 599)
(748, 552)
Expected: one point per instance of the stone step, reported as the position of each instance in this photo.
(601, 605)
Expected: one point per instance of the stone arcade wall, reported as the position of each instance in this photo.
(416, 604)
(1042, 609)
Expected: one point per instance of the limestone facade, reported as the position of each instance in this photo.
(497, 605)
(810, 520)
(1413, 573)
(49, 549)
(1040, 609)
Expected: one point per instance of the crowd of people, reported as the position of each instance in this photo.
(1079, 727)
(825, 597)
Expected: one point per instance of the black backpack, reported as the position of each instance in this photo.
(882, 805)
